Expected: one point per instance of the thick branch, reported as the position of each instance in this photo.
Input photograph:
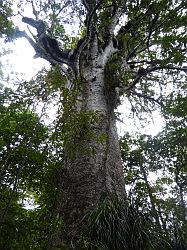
(47, 47)
(38, 49)
(89, 4)
(38, 25)
(35, 12)
(89, 34)
(143, 72)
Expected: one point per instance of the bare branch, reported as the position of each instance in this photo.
(143, 72)
(146, 97)
(171, 68)
(63, 7)
(141, 62)
(35, 12)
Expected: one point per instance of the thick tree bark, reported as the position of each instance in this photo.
(94, 170)
(90, 175)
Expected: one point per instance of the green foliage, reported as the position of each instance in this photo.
(176, 107)
(45, 87)
(6, 25)
(163, 157)
(154, 35)
(24, 163)
(21, 137)
(115, 224)
(17, 224)
(77, 127)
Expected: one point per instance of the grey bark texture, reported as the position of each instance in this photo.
(95, 170)
(89, 176)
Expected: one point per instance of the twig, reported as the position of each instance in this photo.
(146, 97)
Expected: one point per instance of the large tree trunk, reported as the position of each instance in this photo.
(92, 166)
(95, 170)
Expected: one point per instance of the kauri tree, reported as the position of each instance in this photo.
(122, 48)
